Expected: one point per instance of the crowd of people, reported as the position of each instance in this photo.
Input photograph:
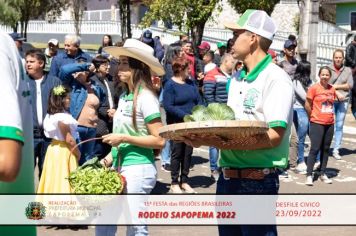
(112, 106)
(323, 103)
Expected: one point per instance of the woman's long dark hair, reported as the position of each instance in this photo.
(109, 43)
(302, 73)
(172, 53)
(141, 77)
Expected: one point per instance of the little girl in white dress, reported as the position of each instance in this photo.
(61, 127)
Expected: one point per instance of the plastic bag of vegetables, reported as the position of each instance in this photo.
(93, 178)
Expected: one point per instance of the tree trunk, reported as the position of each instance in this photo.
(128, 21)
(125, 18)
(15, 27)
(25, 30)
(78, 6)
(77, 21)
(122, 19)
(197, 33)
(22, 23)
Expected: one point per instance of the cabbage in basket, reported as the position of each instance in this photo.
(214, 111)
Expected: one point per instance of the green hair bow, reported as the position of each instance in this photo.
(59, 90)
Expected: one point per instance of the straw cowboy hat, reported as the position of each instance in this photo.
(140, 51)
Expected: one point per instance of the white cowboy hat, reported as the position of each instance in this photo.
(140, 51)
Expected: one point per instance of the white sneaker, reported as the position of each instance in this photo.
(336, 155)
(316, 165)
(187, 189)
(176, 189)
(309, 181)
(301, 168)
(284, 175)
(325, 179)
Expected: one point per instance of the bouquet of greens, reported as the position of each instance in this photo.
(93, 178)
(214, 111)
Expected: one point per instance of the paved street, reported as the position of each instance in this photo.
(343, 174)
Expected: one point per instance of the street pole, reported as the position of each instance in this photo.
(303, 29)
(303, 40)
(313, 37)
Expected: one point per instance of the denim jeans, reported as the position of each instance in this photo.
(293, 147)
(140, 179)
(269, 185)
(213, 157)
(301, 122)
(166, 153)
(340, 110)
(40, 149)
(160, 97)
(86, 149)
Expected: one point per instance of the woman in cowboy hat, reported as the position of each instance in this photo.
(136, 123)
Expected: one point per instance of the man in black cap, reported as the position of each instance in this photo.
(154, 43)
(289, 63)
(18, 41)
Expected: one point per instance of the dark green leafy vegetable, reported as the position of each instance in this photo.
(93, 178)
(214, 111)
(94, 162)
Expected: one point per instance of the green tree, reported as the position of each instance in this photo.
(187, 15)
(25, 10)
(9, 16)
(242, 5)
(327, 11)
(54, 8)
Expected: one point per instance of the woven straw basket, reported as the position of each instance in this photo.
(236, 131)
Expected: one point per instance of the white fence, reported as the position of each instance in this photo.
(67, 27)
(102, 15)
(327, 42)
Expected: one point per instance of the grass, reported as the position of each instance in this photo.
(83, 46)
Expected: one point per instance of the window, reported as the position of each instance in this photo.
(353, 21)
